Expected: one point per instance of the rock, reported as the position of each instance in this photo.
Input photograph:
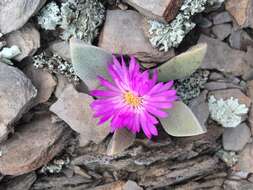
(200, 108)
(222, 31)
(23, 182)
(131, 185)
(250, 119)
(74, 109)
(245, 159)
(222, 18)
(162, 10)
(240, 40)
(43, 81)
(221, 57)
(118, 185)
(235, 139)
(27, 39)
(236, 93)
(123, 32)
(62, 83)
(16, 96)
(241, 11)
(237, 185)
(33, 145)
(14, 14)
(61, 48)
(220, 85)
(121, 140)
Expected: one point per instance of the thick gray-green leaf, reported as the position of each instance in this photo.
(182, 65)
(89, 62)
(121, 140)
(181, 122)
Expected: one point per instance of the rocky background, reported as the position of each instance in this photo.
(48, 139)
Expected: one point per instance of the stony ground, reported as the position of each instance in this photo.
(49, 140)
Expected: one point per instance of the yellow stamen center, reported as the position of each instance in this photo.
(132, 100)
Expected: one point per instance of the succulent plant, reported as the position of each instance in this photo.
(90, 61)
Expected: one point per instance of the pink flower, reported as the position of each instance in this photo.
(132, 99)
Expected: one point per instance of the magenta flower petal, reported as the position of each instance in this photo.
(132, 99)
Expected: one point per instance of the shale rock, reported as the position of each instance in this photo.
(162, 10)
(32, 146)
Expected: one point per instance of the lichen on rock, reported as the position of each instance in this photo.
(228, 112)
(50, 16)
(165, 36)
(55, 64)
(190, 87)
(80, 19)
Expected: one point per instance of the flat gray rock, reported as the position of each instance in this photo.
(236, 138)
(15, 13)
(74, 108)
(16, 96)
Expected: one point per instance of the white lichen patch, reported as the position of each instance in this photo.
(165, 36)
(228, 112)
(7, 53)
(76, 18)
(49, 17)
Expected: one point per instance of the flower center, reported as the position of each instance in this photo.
(131, 99)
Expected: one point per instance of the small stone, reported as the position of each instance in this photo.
(203, 22)
(131, 185)
(222, 31)
(43, 81)
(162, 10)
(16, 96)
(121, 140)
(74, 108)
(250, 119)
(23, 182)
(62, 83)
(27, 39)
(222, 18)
(61, 48)
(228, 93)
(118, 185)
(235, 139)
(200, 108)
(221, 57)
(240, 40)
(14, 14)
(245, 159)
(220, 85)
(241, 11)
(123, 32)
(32, 146)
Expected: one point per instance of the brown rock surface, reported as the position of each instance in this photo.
(17, 13)
(221, 57)
(74, 109)
(162, 10)
(245, 159)
(123, 32)
(43, 81)
(33, 145)
(241, 10)
(27, 39)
